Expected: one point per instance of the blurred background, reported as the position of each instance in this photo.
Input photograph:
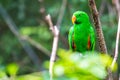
(25, 38)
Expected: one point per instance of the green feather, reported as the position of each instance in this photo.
(70, 37)
(81, 36)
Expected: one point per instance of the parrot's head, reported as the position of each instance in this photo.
(80, 17)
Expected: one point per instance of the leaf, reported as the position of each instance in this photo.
(12, 69)
(82, 67)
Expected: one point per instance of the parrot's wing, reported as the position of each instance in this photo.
(70, 38)
(92, 38)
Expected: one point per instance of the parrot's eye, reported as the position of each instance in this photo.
(79, 15)
(76, 22)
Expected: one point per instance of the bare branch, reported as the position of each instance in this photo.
(99, 32)
(117, 4)
(59, 21)
(55, 31)
(48, 19)
(61, 13)
(97, 26)
(102, 7)
(42, 9)
(37, 45)
(116, 47)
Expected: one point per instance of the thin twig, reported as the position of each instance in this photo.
(48, 19)
(111, 13)
(59, 21)
(61, 13)
(42, 9)
(36, 45)
(116, 47)
(55, 32)
(117, 4)
(102, 7)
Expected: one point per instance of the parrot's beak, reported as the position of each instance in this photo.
(73, 19)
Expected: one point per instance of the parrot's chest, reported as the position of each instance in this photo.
(81, 39)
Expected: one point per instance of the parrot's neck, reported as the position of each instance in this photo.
(81, 28)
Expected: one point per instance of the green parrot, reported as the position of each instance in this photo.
(81, 35)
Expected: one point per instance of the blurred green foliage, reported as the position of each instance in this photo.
(40, 34)
(72, 66)
(12, 69)
(75, 66)
(30, 22)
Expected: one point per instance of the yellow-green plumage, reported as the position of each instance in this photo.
(81, 36)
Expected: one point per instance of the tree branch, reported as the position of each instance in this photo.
(99, 32)
(102, 7)
(42, 9)
(59, 21)
(55, 32)
(61, 14)
(97, 26)
(37, 45)
(117, 4)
